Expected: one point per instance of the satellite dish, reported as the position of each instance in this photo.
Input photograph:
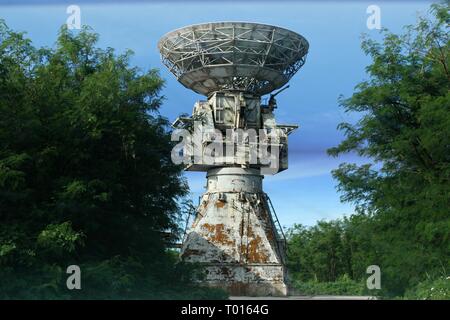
(234, 64)
(233, 56)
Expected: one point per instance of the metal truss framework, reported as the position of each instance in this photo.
(250, 57)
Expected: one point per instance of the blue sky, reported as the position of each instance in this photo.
(305, 192)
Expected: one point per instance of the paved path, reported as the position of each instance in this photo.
(306, 298)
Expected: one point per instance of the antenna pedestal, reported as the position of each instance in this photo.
(235, 139)
(234, 236)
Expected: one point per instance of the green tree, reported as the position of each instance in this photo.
(85, 173)
(318, 252)
(405, 130)
(402, 197)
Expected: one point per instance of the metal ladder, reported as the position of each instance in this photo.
(280, 236)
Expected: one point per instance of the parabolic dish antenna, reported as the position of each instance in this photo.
(251, 57)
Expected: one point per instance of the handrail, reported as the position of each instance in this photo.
(276, 217)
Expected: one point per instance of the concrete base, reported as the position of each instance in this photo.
(234, 236)
(248, 280)
(252, 289)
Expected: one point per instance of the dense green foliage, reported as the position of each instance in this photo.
(430, 289)
(343, 286)
(85, 174)
(402, 198)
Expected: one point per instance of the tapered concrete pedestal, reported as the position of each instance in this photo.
(234, 236)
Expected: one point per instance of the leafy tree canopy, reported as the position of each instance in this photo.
(85, 172)
(402, 198)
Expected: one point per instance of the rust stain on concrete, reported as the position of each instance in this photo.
(208, 227)
(218, 234)
(254, 252)
(220, 204)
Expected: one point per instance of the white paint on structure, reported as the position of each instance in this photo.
(235, 234)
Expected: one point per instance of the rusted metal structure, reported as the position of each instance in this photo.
(235, 233)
